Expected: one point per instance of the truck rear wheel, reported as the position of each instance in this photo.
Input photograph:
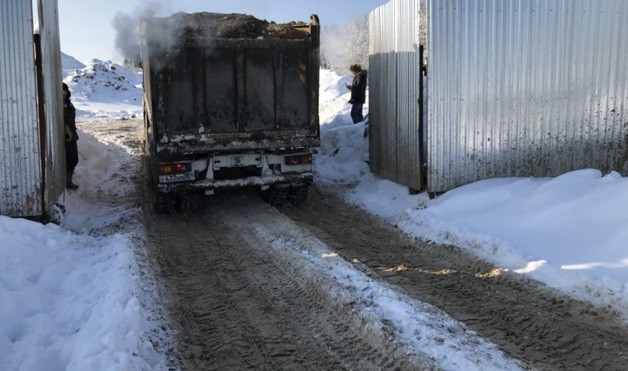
(280, 194)
(276, 195)
(297, 194)
(164, 203)
(190, 202)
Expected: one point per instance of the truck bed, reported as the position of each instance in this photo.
(230, 82)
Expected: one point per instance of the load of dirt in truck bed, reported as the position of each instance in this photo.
(197, 26)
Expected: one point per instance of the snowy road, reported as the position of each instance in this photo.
(239, 304)
(526, 320)
(327, 286)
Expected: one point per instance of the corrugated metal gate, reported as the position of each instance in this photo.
(526, 88)
(20, 166)
(395, 134)
(27, 146)
(515, 88)
(54, 160)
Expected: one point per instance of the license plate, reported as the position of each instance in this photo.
(172, 178)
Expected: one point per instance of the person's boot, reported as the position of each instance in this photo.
(69, 184)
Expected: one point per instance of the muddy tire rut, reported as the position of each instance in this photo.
(525, 319)
(236, 305)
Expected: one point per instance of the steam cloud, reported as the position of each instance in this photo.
(126, 27)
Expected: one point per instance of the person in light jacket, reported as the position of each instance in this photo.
(358, 92)
(71, 148)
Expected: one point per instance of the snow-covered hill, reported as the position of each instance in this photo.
(103, 89)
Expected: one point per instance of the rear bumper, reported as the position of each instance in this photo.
(208, 184)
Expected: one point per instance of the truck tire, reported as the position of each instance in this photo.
(276, 195)
(164, 203)
(190, 202)
(297, 194)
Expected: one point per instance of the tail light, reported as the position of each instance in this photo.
(176, 168)
(298, 160)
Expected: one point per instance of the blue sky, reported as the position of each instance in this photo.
(87, 32)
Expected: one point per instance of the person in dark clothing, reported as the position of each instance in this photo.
(71, 148)
(358, 92)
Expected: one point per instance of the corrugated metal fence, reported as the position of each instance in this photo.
(54, 160)
(32, 157)
(394, 86)
(20, 167)
(526, 88)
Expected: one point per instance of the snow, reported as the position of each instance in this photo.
(79, 296)
(103, 89)
(420, 329)
(69, 301)
(569, 232)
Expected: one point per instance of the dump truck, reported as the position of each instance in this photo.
(229, 101)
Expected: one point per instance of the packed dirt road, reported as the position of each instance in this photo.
(239, 299)
(240, 304)
(526, 320)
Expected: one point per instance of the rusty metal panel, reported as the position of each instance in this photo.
(526, 88)
(20, 170)
(54, 160)
(394, 91)
(268, 89)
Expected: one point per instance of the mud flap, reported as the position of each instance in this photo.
(164, 203)
(297, 194)
(190, 202)
(280, 194)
